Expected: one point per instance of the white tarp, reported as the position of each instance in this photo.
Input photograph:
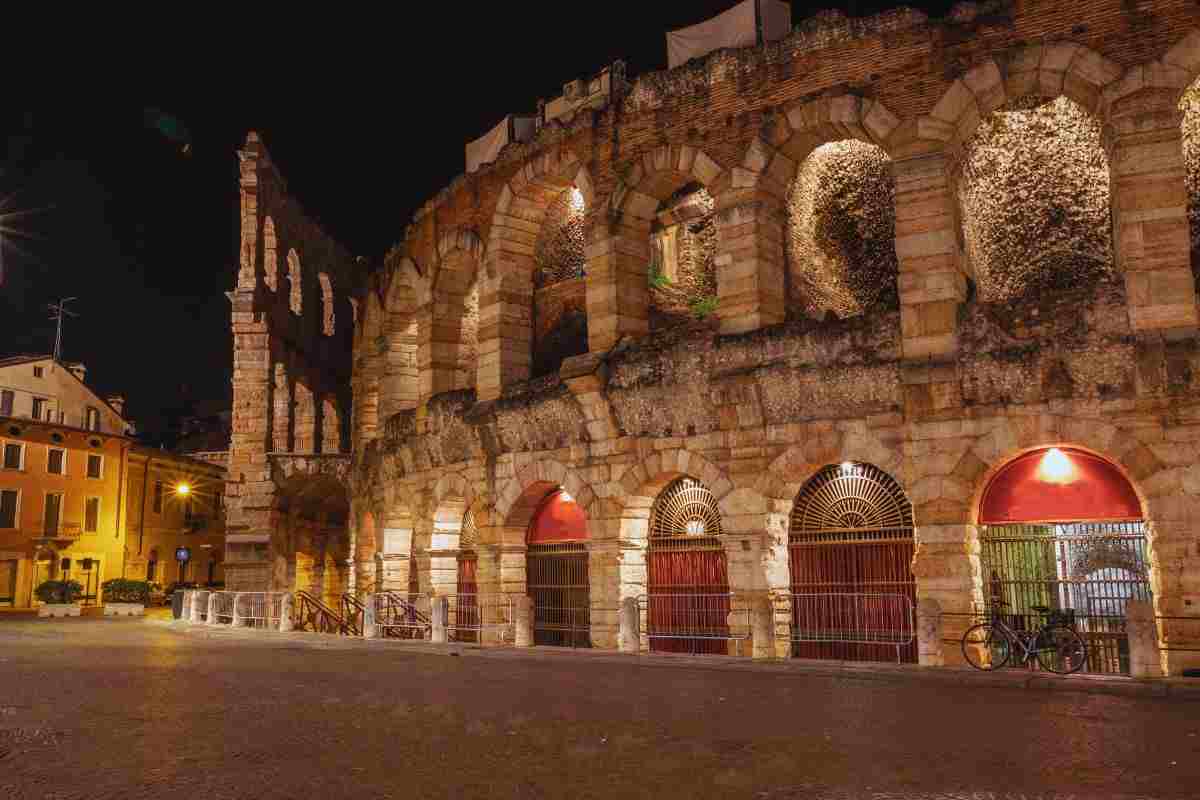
(486, 148)
(735, 28)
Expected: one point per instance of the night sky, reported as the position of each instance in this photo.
(146, 236)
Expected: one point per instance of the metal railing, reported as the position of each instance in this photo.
(353, 612)
(313, 615)
(400, 615)
(701, 624)
(859, 618)
(471, 616)
(259, 609)
(199, 599)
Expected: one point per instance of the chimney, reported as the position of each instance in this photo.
(117, 402)
(78, 370)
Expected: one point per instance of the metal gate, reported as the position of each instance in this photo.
(1091, 568)
(557, 580)
(688, 603)
(851, 534)
(467, 608)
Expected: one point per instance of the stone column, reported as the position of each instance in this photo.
(1149, 204)
(750, 267)
(604, 593)
(505, 339)
(305, 419)
(1145, 659)
(762, 626)
(946, 566)
(331, 430)
(618, 290)
(930, 651)
(523, 621)
(400, 383)
(630, 637)
(287, 613)
(282, 431)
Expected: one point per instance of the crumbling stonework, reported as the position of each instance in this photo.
(558, 251)
(682, 273)
(841, 231)
(1190, 104)
(1035, 200)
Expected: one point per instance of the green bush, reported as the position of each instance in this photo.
(59, 591)
(704, 306)
(122, 590)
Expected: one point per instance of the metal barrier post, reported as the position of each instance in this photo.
(212, 609)
(523, 617)
(237, 620)
(762, 628)
(369, 631)
(286, 622)
(439, 608)
(629, 636)
(1145, 659)
(930, 633)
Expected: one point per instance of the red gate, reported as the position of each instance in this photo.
(468, 590)
(556, 569)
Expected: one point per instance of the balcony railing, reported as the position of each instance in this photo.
(63, 531)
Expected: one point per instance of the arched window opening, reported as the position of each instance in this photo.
(688, 598)
(328, 315)
(850, 549)
(1062, 529)
(556, 565)
(270, 255)
(559, 291)
(841, 229)
(1190, 105)
(295, 296)
(1033, 187)
(452, 353)
(466, 603)
(682, 272)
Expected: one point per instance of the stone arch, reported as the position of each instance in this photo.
(328, 312)
(296, 282)
(792, 469)
(270, 255)
(517, 501)
(508, 301)
(806, 125)
(448, 346)
(408, 296)
(452, 498)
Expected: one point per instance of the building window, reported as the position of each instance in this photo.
(9, 503)
(6, 403)
(95, 466)
(91, 515)
(38, 372)
(93, 419)
(158, 497)
(14, 456)
(56, 462)
(39, 408)
(53, 513)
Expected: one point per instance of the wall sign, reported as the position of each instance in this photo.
(183, 554)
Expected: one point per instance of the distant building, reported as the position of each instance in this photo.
(80, 499)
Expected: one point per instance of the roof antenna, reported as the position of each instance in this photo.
(57, 312)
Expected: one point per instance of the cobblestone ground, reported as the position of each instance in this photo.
(140, 709)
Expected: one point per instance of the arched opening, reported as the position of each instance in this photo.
(556, 572)
(688, 598)
(1190, 105)
(1062, 529)
(328, 314)
(1033, 187)
(682, 273)
(559, 291)
(841, 229)
(851, 545)
(466, 607)
(296, 282)
(270, 255)
(401, 380)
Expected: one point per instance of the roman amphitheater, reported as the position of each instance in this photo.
(878, 321)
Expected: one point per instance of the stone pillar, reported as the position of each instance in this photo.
(305, 429)
(946, 566)
(400, 382)
(618, 289)
(237, 607)
(930, 652)
(523, 621)
(212, 609)
(443, 571)
(931, 282)
(604, 593)
(1145, 659)
(630, 637)
(283, 438)
(750, 266)
(1149, 205)
(331, 426)
(287, 613)
(762, 627)
(439, 615)
(505, 339)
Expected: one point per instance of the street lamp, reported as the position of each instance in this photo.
(183, 489)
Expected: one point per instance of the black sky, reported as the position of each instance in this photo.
(366, 118)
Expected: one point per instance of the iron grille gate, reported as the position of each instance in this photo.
(1093, 568)
(851, 547)
(467, 592)
(557, 576)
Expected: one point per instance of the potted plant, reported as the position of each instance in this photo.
(59, 598)
(125, 598)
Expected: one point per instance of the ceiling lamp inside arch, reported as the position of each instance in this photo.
(1058, 485)
(558, 519)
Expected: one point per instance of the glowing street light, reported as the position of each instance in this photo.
(1056, 467)
(183, 490)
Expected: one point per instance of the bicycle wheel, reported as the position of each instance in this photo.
(986, 647)
(1060, 650)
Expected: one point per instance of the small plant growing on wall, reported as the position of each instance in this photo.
(59, 592)
(654, 273)
(704, 306)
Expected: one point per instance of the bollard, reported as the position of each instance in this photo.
(523, 619)
(762, 628)
(286, 610)
(370, 631)
(237, 620)
(629, 634)
(194, 607)
(1145, 659)
(930, 651)
(212, 609)
(439, 616)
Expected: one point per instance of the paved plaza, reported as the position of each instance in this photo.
(99, 708)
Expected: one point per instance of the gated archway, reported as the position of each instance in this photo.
(1062, 528)
(688, 598)
(466, 603)
(556, 572)
(850, 553)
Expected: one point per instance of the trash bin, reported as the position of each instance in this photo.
(177, 604)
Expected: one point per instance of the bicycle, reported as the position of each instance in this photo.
(1057, 646)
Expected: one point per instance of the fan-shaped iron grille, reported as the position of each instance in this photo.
(851, 501)
(685, 511)
(469, 534)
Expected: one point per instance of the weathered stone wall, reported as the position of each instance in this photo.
(1190, 104)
